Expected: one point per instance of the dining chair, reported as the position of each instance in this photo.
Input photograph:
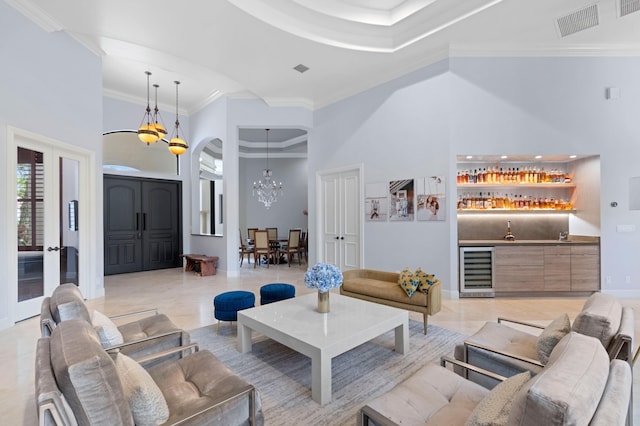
(263, 248)
(246, 249)
(304, 245)
(293, 246)
(273, 233)
(251, 234)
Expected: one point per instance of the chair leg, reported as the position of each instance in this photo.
(425, 322)
(218, 328)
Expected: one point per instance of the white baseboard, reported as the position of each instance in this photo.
(623, 294)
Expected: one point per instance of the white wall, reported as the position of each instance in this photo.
(587, 178)
(206, 125)
(558, 106)
(51, 86)
(417, 124)
(399, 131)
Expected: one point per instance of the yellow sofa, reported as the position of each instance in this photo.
(382, 287)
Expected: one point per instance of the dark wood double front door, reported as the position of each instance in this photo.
(142, 224)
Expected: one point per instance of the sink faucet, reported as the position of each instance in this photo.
(509, 236)
(564, 236)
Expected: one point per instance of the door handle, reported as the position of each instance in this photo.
(337, 238)
(342, 238)
(144, 221)
(137, 221)
(53, 248)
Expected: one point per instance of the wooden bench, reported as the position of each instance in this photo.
(200, 263)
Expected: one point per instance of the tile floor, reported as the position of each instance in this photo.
(187, 299)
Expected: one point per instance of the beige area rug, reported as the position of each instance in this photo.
(283, 376)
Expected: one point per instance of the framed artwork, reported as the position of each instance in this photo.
(401, 206)
(375, 202)
(431, 203)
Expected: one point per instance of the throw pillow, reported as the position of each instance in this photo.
(107, 331)
(424, 280)
(406, 281)
(145, 398)
(494, 408)
(550, 337)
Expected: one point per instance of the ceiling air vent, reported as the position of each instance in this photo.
(578, 21)
(628, 6)
(301, 68)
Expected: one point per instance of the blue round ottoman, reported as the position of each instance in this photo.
(277, 291)
(226, 305)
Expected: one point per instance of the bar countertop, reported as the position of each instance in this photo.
(572, 240)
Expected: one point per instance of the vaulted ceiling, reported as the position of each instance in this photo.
(250, 48)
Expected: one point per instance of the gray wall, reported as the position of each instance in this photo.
(284, 214)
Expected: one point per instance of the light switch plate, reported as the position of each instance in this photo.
(626, 228)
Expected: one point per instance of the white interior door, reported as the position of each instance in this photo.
(44, 186)
(340, 222)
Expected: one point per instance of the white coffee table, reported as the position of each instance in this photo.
(297, 324)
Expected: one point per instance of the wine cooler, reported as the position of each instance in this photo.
(476, 272)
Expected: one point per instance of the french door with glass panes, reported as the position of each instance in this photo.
(47, 197)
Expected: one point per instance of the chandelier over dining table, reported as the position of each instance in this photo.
(267, 188)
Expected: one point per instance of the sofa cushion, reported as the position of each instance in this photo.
(568, 390)
(504, 338)
(407, 282)
(107, 331)
(494, 409)
(145, 398)
(195, 381)
(431, 396)
(86, 375)
(66, 302)
(153, 325)
(600, 318)
(551, 335)
(386, 290)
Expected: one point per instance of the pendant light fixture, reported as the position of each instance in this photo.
(147, 132)
(268, 190)
(157, 125)
(177, 145)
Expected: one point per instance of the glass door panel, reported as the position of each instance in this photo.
(68, 219)
(30, 223)
(47, 205)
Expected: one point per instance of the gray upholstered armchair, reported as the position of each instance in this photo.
(578, 385)
(146, 335)
(79, 383)
(506, 350)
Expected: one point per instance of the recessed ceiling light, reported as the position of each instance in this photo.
(301, 68)
(572, 156)
(469, 157)
(503, 157)
(538, 157)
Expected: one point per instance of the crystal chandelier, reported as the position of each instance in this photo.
(268, 189)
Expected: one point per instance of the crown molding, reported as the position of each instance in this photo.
(36, 15)
(273, 155)
(574, 50)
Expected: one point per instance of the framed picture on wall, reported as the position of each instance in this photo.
(401, 200)
(375, 202)
(431, 196)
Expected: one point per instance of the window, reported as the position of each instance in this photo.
(30, 200)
